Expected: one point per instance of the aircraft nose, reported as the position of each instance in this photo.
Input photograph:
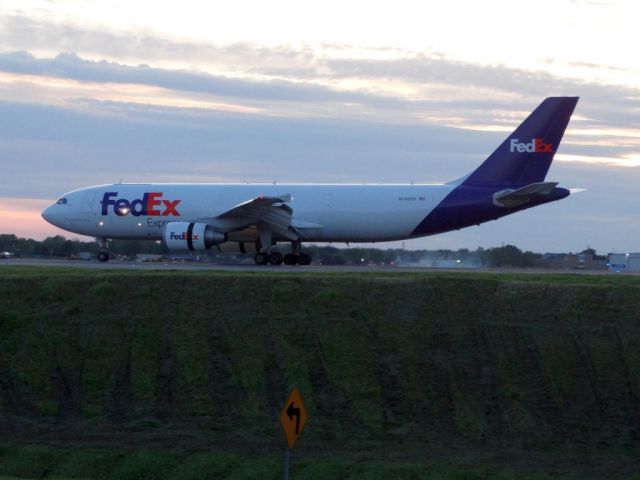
(50, 214)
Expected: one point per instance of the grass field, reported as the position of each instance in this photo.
(68, 464)
(173, 374)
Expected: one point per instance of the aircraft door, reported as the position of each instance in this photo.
(88, 202)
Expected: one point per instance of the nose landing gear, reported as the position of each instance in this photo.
(103, 254)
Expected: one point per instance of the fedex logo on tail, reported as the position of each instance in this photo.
(151, 204)
(536, 145)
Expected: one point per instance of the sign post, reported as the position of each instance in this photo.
(293, 418)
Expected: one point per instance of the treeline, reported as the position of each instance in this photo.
(505, 256)
(59, 246)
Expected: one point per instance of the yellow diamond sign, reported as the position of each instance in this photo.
(293, 418)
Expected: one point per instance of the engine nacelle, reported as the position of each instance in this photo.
(191, 236)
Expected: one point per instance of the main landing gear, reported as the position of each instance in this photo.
(276, 258)
(103, 254)
(262, 258)
(296, 257)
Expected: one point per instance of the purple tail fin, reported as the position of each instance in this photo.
(526, 155)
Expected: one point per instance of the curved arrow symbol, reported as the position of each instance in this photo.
(294, 412)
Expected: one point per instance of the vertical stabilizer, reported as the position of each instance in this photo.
(526, 155)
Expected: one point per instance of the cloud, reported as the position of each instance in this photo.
(20, 32)
(478, 95)
(323, 80)
(70, 66)
(602, 103)
(326, 66)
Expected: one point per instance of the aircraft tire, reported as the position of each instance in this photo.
(290, 259)
(275, 258)
(304, 259)
(103, 256)
(261, 258)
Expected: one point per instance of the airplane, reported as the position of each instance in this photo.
(252, 218)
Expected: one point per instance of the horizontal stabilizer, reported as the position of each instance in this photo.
(514, 198)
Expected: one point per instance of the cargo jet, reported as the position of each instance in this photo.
(252, 218)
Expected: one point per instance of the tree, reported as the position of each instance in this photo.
(510, 256)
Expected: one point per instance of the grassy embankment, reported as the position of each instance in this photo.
(450, 376)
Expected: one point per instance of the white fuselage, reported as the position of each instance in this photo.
(330, 213)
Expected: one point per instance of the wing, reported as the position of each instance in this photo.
(265, 212)
(255, 207)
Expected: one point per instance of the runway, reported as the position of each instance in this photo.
(210, 267)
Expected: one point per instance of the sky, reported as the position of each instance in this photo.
(347, 92)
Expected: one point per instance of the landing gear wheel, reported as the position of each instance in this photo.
(304, 259)
(290, 259)
(275, 258)
(103, 256)
(261, 258)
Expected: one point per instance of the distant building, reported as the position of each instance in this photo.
(571, 261)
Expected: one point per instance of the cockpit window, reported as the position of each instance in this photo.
(62, 201)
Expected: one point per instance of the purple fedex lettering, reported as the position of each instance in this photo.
(139, 206)
(106, 201)
(147, 205)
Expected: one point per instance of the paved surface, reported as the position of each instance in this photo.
(115, 264)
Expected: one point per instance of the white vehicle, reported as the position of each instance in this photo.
(623, 262)
(5, 255)
(254, 217)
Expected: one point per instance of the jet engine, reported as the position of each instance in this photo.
(191, 236)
